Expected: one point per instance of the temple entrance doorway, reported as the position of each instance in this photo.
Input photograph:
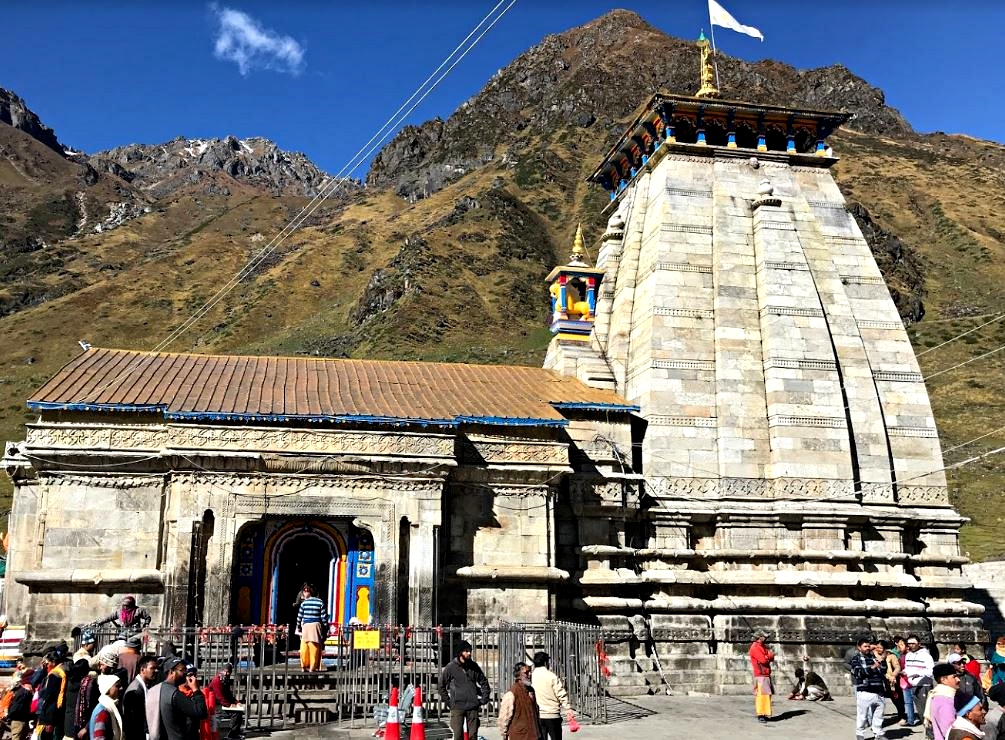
(275, 557)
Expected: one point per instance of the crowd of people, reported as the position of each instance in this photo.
(115, 693)
(958, 699)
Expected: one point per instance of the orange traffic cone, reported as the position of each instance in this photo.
(392, 728)
(418, 727)
(466, 736)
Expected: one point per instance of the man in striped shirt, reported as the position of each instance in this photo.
(312, 626)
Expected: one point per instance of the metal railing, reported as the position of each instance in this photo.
(362, 663)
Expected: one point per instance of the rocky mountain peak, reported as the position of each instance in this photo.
(596, 75)
(161, 169)
(14, 112)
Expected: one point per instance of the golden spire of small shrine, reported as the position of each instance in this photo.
(576, 258)
(707, 73)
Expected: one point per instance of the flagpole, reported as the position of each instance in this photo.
(715, 61)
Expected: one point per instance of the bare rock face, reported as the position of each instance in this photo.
(163, 168)
(14, 112)
(592, 77)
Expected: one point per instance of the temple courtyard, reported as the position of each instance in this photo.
(705, 717)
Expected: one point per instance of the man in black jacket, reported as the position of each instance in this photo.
(180, 713)
(464, 688)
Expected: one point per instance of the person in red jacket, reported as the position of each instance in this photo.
(760, 661)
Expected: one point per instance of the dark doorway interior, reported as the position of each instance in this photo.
(305, 558)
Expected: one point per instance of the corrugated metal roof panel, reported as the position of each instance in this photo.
(244, 388)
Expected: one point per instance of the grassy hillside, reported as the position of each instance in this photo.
(459, 276)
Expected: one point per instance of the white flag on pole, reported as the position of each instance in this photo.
(719, 16)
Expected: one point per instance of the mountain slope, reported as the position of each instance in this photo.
(443, 256)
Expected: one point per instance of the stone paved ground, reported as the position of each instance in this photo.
(706, 718)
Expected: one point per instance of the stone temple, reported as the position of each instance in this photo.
(730, 433)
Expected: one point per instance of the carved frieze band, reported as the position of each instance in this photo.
(791, 311)
(898, 377)
(104, 480)
(923, 495)
(508, 451)
(682, 421)
(922, 432)
(784, 363)
(802, 266)
(692, 313)
(830, 422)
(713, 488)
(682, 267)
(684, 364)
(863, 280)
(868, 324)
(688, 192)
(687, 229)
(268, 486)
(178, 436)
(826, 204)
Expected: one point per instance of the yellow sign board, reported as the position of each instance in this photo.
(366, 639)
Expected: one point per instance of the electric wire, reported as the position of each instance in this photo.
(960, 336)
(340, 178)
(962, 364)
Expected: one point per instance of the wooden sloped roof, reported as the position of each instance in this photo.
(246, 388)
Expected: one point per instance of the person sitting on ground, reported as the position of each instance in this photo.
(809, 686)
(519, 717)
(969, 718)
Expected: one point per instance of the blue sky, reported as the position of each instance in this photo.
(322, 77)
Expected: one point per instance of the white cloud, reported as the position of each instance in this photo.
(243, 40)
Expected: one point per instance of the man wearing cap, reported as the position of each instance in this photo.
(994, 723)
(129, 658)
(179, 713)
(761, 659)
(968, 684)
(105, 722)
(969, 718)
(464, 688)
(52, 694)
(869, 676)
(551, 696)
(86, 649)
(940, 713)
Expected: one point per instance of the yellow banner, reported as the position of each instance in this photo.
(366, 639)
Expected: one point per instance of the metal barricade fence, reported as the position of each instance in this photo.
(361, 664)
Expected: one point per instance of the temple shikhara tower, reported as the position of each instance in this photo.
(730, 433)
(791, 469)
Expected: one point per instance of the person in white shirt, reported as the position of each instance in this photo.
(918, 667)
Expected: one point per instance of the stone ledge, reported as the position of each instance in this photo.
(521, 573)
(54, 578)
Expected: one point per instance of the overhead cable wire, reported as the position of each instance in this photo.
(374, 143)
(962, 364)
(960, 336)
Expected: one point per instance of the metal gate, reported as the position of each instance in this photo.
(362, 663)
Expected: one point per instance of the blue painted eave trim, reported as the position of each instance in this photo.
(303, 418)
(134, 408)
(628, 408)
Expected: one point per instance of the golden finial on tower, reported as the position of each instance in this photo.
(576, 258)
(708, 88)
